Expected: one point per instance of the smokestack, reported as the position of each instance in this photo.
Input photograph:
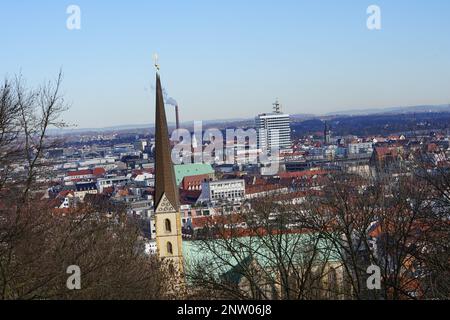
(178, 116)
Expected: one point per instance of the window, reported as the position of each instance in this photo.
(169, 248)
(168, 225)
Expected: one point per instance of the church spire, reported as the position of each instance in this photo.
(167, 206)
(165, 176)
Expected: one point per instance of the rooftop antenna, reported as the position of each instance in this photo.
(277, 106)
(156, 61)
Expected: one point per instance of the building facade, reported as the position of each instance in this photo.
(222, 191)
(274, 131)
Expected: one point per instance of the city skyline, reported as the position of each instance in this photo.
(225, 155)
(242, 56)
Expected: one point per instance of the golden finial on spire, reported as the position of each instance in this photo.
(156, 60)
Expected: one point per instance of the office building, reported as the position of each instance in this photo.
(274, 130)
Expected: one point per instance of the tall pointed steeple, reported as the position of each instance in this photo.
(165, 176)
(166, 201)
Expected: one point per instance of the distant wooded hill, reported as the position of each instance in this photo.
(382, 124)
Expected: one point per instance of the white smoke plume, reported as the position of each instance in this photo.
(167, 99)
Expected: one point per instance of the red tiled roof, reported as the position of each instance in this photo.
(432, 147)
(137, 172)
(79, 173)
(300, 174)
(201, 222)
(108, 190)
(384, 151)
(64, 193)
(62, 210)
(99, 172)
(189, 196)
(194, 180)
(258, 188)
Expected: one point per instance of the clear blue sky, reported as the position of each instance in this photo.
(230, 58)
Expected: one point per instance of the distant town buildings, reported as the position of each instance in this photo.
(120, 169)
(176, 206)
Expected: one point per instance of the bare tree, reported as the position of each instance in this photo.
(263, 254)
(37, 243)
(322, 248)
(385, 221)
(436, 255)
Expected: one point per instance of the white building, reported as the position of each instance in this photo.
(146, 179)
(110, 182)
(222, 190)
(360, 148)
(274, 130)
(143, 208)
(141, 145)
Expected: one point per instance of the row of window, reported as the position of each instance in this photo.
(227, 195)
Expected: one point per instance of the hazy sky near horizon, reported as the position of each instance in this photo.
(229, 58)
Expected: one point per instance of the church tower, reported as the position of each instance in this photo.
(166, 201)
(327, 134)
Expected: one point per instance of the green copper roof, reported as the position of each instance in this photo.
(296, 248)
(187, 170)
